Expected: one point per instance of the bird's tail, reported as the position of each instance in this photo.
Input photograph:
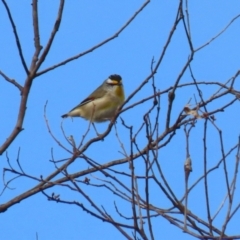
(64, 115)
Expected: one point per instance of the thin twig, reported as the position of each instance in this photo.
(16, 37)
(228, 25)
(52, 36)
(98, 45)
(12, 81)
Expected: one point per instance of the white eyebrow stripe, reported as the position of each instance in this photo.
(109, 80)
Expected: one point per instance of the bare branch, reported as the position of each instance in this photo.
(96, 46)
(12, 81)
(50, 41)
(38, 47)
(221, 32)
(16, 37)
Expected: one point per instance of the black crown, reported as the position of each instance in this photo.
(115, 77)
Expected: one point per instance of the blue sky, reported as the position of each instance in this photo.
(83, 26)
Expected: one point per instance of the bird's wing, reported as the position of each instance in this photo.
(98, 93)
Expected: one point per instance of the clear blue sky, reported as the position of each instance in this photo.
(84, 25)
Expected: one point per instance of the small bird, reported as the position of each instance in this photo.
(102, 104)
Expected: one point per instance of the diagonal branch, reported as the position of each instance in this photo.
(53, 34)
(34, 67)
(96, 46)
(16, 37)
(221, 32)
(16, 84)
